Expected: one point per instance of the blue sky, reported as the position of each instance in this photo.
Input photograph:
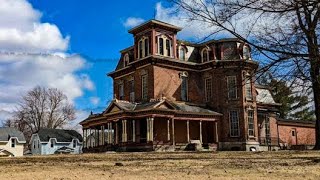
(98, 33)
(71, 45)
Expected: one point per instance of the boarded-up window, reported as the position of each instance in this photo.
(184, 88)
(208, 89)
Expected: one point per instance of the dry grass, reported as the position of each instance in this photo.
(219, 165)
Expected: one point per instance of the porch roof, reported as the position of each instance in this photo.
(173, 108)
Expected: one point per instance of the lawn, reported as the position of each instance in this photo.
(217, 165)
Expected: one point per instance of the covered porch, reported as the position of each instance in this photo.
(156, 129)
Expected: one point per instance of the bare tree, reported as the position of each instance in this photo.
(42, 108)
(285, 32)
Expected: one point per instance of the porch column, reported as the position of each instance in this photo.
(148, 129)
(111, 136)
(188, 131)
(200, 132)
(217, 134)
(84, 140)
(151, 128)
(173, 139)
(168, 129)
(124, 130)
(102, 135)
(108, 134)
(116, 133)
(133, 131)
(96, 137)
(90, 137)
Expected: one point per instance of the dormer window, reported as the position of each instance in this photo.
(126, 60)
(246, 53)
(52, 142)
(74, 143)
(205, 55)
(13, 143)
(143, 47)
(164, 46)
(182, 53)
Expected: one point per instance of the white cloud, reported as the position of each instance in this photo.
(22, 31)
(132, 22)
(34, 53)
(95, 100)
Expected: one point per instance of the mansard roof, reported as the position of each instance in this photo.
(154, 22)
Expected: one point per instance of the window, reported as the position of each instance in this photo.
(250, 123)
(121, 91)
(267, 126)
(144, 87)
(143, 47)
(52, 143)
(248, 88)
(34, 144)
(246, 52)
(74, 143)
(205, 55)
(140, 49)
(13, 143)
(184, 87)
(161, 50)
(182, 53)
(146, 47)
(293, 132)
(131, 88)
(164, 45)
(234, 123)
(208, 89)
(168, 47)
(232, 87)
(126, 60)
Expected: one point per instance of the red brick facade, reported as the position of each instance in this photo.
(200, 75)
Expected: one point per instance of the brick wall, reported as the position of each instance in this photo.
(304, 135)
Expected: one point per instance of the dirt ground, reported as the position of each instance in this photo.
(217, 165)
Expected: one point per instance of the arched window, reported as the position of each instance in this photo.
(146, 47)
(246, 52)
(143, 47)
(205, 55)
(74, 143)
(161, 50)
(182, 53)
(140, 49)
(164, 46)
(126, 60)
(184, 86)
(168, 47)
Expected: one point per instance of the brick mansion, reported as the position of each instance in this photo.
(172, 95)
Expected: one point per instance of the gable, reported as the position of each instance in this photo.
(115, 109)
(164, 105)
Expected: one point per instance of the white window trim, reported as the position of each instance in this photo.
(140, 56)
(253, 130)
(165, 38)
(248, 86)
(13, 143)
(230, 123)
(235, 87)
(126, 60)
(185, 53)
(202, 51)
